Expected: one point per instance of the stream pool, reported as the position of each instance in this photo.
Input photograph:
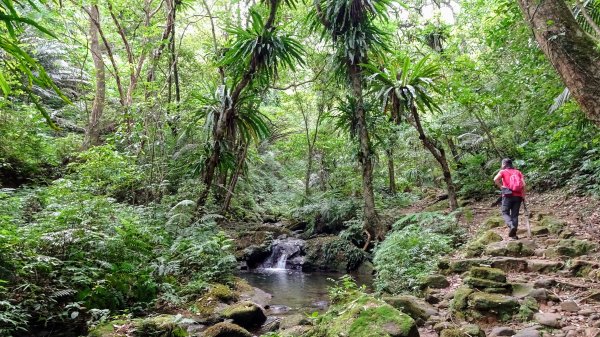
(295, 291)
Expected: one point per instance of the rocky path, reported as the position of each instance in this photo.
(546, 285)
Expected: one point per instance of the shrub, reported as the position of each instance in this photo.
(406, 256)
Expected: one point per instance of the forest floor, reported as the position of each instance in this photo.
(559, 267)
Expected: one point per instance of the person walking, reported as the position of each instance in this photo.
(512, 186)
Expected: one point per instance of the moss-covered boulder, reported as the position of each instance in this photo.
(529, 306)
(436, 281)
(365, 316)
(157, 326)
(492, 274)
(501, 305)
(539, 230)
(511, 248)
(245, 314)
(463, 265)
(571, 248)
(554, 225)
(416, 308)
(331, 253)
(459, 301)
(493, 222)
(477, 246)
(225, 329)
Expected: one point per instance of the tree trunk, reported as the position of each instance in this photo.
(391, 173)
(571, 51)
(236, 174)
(92, 134)
(371, 224)
(439, 154)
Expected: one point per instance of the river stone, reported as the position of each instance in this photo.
(225, 329)
(548, 319)
(246, 314)
(502, 332)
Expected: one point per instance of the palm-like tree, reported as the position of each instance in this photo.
(253, 60)
(404, 88)
(350, 25)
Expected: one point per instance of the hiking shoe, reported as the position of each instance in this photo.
(514, 238)
(513, 232)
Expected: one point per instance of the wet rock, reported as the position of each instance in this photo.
(225, 329)
(569, 306)
(502, 331)
(436, 281)
(245, 314)
(549, 319)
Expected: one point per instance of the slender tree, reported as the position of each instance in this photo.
(350, 25)
(92, 132)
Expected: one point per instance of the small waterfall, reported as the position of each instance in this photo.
(285, 254)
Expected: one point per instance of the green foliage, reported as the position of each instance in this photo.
(435, 222)
(406, 256)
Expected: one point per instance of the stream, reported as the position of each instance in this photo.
(294, 291)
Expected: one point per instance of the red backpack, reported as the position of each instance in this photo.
(515, 181)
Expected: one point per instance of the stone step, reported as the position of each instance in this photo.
(514, 264)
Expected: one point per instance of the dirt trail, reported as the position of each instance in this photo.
(559, 268)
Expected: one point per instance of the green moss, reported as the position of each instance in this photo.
(477, 246)
(223, 293)
(554, 225)
(225, 329)
(453, 332)
(492, 274)
(481, 283)
(409, 305)
(160, 326)
(380, 321)
(493, 222)
(106, 329)
(493, 303)
(528, 308)
(459, 302)
(461, 266)
(246, 314)
(365, 316)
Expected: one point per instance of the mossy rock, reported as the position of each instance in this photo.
(477, 246)
(529, 306)
(554, 225)
(223, 293)
(245, 314)
(574, 247)
(225, 329)
(331, 253)
(487, 273)
(461, 266)
(504, 306)
(365, 316)
(539, 230)
(436, 281)
(512, 249)
(491, 286)
(291, 321)
(459, 302)
(159, 326)
(107, 329)
(470, 330)
(412, 306)
(493, 222)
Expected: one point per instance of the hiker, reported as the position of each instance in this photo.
(512, 185)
